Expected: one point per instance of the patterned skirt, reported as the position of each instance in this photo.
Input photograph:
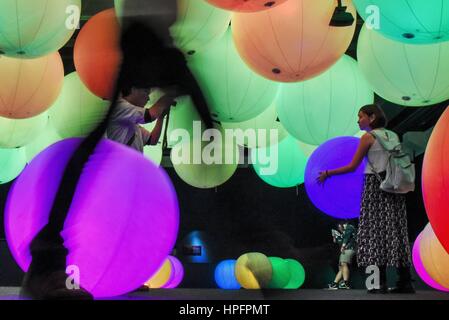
(382, 237)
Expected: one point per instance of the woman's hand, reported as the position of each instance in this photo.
(322, 177)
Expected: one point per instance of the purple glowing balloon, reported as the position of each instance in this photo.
(421, 270)
(341, 195)
(177, 273)
(122, 223)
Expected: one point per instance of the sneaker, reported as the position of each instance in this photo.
(332, 286)
(382, 290)
(344, 285)
(402, 289)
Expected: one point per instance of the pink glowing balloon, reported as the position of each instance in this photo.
(177, 273)
(122, 223)
(419, 267)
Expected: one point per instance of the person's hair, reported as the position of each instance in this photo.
(126, 90)
(380, 120)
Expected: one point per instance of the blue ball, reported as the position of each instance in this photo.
(225, 275)
(341, 195)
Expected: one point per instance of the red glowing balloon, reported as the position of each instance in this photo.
(435, 179)
(294, 41)
(97, 53)
(245, 5)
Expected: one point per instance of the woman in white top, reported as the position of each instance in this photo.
(382, 237)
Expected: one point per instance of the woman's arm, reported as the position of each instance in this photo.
(365, 143)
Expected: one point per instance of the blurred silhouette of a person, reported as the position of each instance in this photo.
(149, 61)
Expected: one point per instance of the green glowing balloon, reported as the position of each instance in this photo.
(412, 21)
(234, 92)
(77, 111)
(12, 162)
(281, 273)
(308, 149)
(19, 132)
(205, 164)
(48, 137)
(34, 28)
(409, 75)
(297, 274)
(259, 134)
(326, 106)
(282, 165)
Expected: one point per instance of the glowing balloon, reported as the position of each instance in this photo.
(281, 165)
(292, 42)
(161, 277)
(435, 179)
(36, 28)
(326, 106)
(297, 274)
(233, 91)
(115, 235)
(260, 134)
(77, 111)
(281, 273)
(308, 149)
(341, 195)
(245, 5)
(419, 267)
(28, 87)
(434, 257)
(409, 75)
(253, 270)
(205, 165)
(412, 22)
(19, 132)
(97, 53)
(177, 273)
(225, 275)
(12, 162)
(45, 139)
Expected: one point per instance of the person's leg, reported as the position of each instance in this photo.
(404, 282)
(345, 271)
(339, 275)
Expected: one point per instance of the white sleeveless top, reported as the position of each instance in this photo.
(378, 157)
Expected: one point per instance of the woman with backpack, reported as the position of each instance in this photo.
(382, 237)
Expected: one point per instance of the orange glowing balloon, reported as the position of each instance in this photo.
(294, 41)
(97, 53)
(28, 87)
(245, 5)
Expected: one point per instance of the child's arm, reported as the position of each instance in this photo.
(156, 132)
(160, 108)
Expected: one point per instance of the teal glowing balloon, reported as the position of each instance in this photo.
(45, 139)
(406, 74)
(412, 21)
(281, 165)
(281, 273)
(20, 132)
(326, 106)
(234, 92)
(77, 111)
(38, 27)
(297, 274)
(12, 162)
(260, 132)
(203, 164)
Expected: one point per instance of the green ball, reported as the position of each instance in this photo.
(408, 75)
(253, 270)
(45, 139)
(12, 162)
(282, 165)
(281, 273)
(205, 164)
(77, 111)
(20, 132)
(233, 91)
(412, 22)
(259, 134)
(35, 28)
(326, 106)
(297, 274)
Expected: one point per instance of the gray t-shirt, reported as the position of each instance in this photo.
(124, 126)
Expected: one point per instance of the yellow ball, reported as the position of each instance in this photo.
(161, 277)
(253, 270)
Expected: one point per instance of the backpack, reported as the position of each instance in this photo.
(400, 171)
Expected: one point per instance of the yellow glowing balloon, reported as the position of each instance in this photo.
(161, 277)
(253, 270)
